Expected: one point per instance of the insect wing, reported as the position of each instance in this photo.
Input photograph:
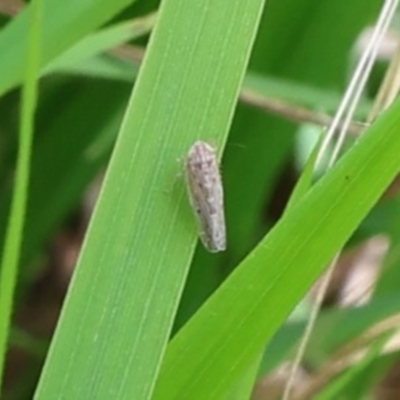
(206, 195)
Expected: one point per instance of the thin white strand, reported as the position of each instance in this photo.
(351, 96)
(309, 328)
(353, 83)
(363, 80)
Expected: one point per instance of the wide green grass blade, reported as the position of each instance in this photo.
(245, 385)
(16, 221)
(237, 321)
(63, 24)
(121, 303)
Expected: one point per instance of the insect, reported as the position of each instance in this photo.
(206, 195)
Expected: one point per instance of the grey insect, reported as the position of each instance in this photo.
(206, 195)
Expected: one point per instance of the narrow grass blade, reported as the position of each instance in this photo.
(13, 241)
(101, 41)
(305, 180)
(62, 25)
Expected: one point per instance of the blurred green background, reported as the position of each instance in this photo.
(303, 54)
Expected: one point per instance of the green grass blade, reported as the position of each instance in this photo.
(304, 182)
(120, 307)
(237, 321)
(245, 385)
(246, 382)
(63, 24)
(13, 240)
(101, 41)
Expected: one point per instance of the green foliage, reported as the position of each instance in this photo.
(139, 279)
(13, 242)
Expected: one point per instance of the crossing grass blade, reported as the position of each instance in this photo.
(243, 314)
(63, 24)
(101, 41)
